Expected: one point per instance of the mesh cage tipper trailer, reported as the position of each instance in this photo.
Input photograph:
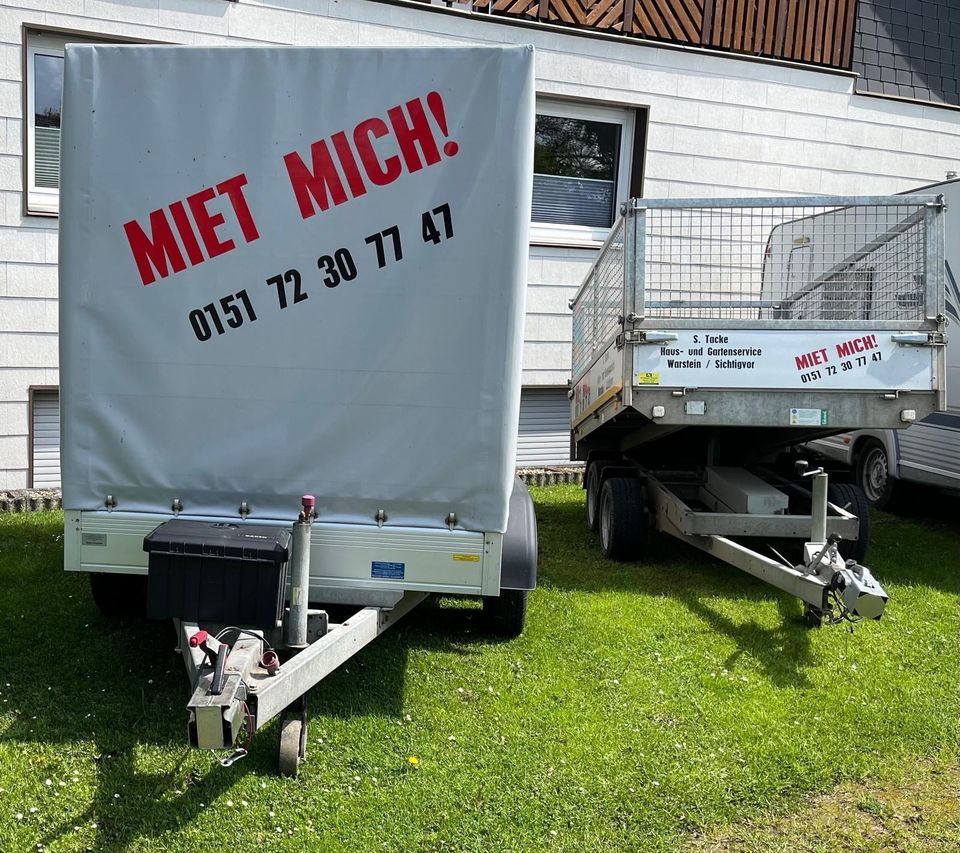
(711, 338)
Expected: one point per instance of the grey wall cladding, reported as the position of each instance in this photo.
(908, 48)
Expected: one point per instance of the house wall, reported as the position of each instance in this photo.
(719, 126)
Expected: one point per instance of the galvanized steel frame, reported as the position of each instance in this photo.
(216, 717)
(673, 516)
(272, 694)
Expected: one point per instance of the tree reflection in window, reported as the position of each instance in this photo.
(576, 148)
(575, 168)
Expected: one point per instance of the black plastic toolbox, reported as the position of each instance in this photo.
(217, 572)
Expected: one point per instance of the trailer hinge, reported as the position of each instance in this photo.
(921, 339)
(646, 336)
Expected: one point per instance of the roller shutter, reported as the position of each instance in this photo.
(544, 437)
(46, 440)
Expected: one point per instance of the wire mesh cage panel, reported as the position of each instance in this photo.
(598, 312)
(799, 262)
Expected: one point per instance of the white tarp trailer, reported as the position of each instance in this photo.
(292, 272)
(710, 337)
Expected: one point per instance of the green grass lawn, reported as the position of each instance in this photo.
(671, 705)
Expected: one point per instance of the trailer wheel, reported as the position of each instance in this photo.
(592, 488)
(853, 500)
(873, 474)
(505, 615)
(293, 738)
(119, 596)
(623, 519)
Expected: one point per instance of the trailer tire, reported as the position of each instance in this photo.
(119, 596)
(505, 615)
(592, 488)
(623, 519)
(853, 500)
(873, 474)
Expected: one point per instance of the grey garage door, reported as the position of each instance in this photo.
(46, 440)
(544, 437)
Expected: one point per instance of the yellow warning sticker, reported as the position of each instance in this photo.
(648, 379)
(467, 558)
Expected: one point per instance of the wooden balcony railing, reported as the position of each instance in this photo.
(812, 31)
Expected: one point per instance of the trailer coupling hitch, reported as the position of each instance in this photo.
(829, 550)
(239, 752)
(857, 593)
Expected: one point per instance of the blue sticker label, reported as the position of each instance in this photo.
(393, 571)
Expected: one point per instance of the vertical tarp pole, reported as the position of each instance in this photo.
(296, 627)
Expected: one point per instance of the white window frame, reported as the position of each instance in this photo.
(39, 200)
(550, 234)
(44, 201)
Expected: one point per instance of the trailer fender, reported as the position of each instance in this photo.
(615, 470)
(891, 444)
(518, 568)
(600, 458)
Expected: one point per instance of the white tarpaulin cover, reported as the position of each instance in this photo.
(294, 270)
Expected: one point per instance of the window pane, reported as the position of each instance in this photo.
(575, 169)
(48, 87)
(576, 148)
